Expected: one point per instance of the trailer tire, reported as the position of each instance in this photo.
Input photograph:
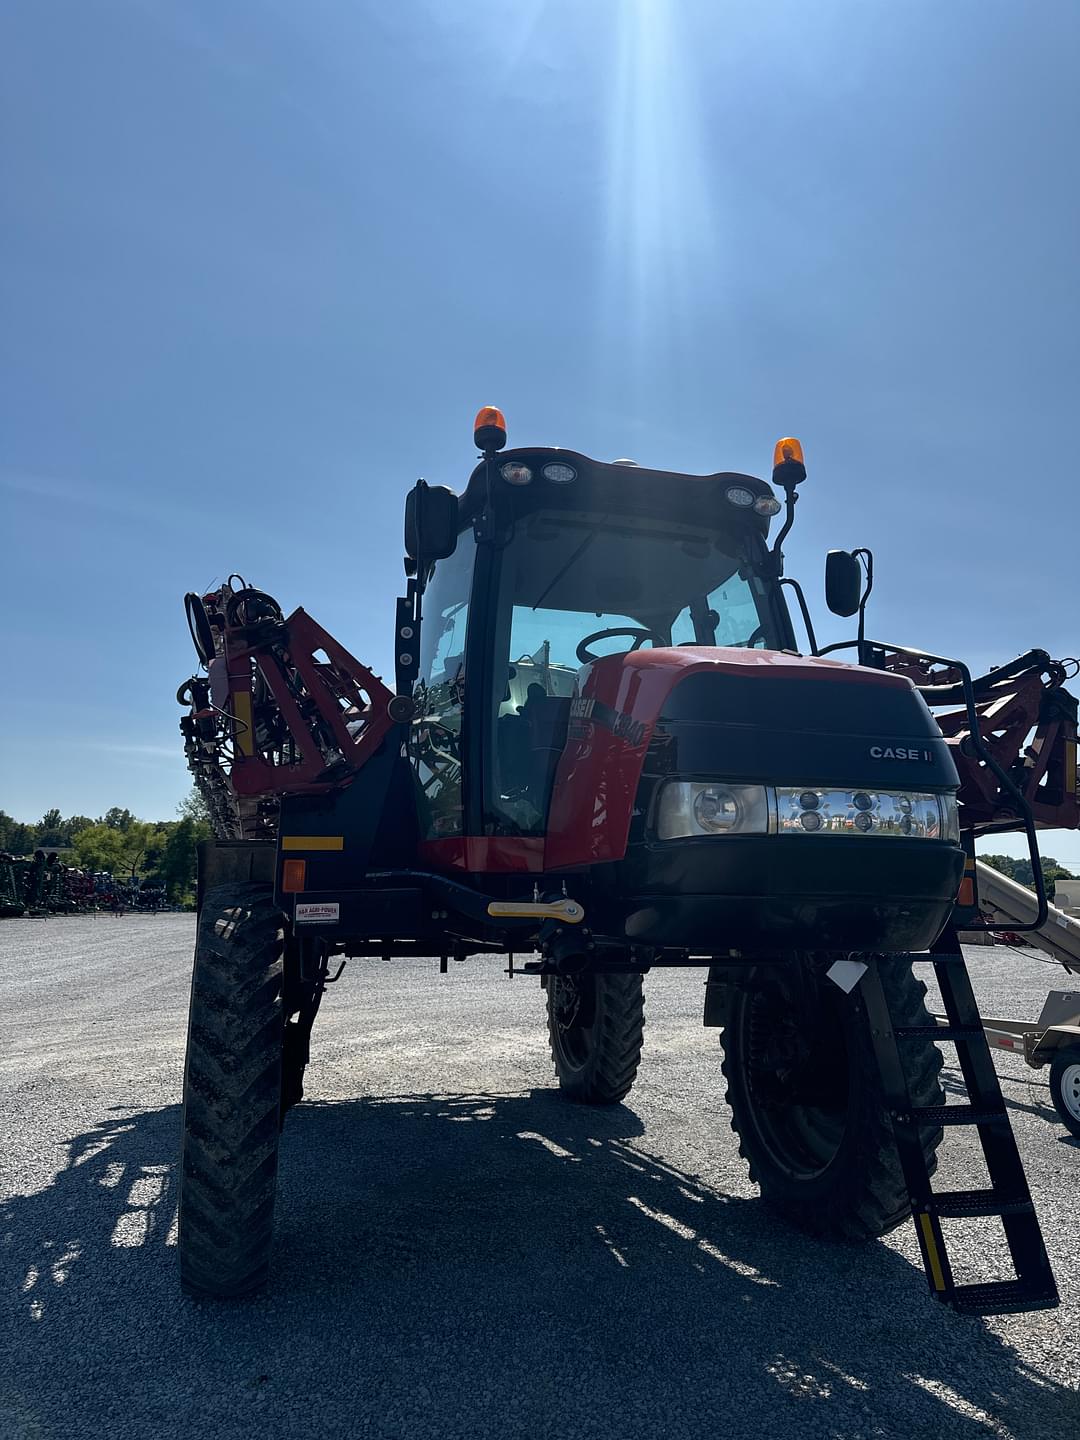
(232, 1094)
(831, 1168)
(595, 1028)
(1065, 1087)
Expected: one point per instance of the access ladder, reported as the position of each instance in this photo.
(1007, 1196)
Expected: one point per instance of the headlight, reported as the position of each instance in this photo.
(907, 814)
(717, 807)
(708, 807)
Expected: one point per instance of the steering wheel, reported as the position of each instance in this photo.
(640, 632)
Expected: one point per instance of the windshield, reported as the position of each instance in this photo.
(574, 587)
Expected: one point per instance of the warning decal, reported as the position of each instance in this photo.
(313, 912)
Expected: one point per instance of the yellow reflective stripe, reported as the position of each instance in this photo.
(1070, 767)
(245, 734)
(936, 1273)
(313, 842)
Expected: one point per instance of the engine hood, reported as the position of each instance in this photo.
(739, 714)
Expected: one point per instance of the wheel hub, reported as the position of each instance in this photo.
(1070, 1089)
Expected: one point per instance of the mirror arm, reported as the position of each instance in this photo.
(867, 557)
(485, 526)
(777, 551)
(794, 585)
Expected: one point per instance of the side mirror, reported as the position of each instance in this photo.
(431, 523)
(843, 582)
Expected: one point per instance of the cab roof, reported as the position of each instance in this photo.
(618, 489)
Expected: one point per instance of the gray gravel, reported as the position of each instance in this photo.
(461, 1253)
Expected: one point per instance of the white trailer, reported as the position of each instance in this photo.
(1054, 1038)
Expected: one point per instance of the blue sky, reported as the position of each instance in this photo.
(262, 263)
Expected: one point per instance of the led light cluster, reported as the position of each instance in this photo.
(907, 814)
(514, 472)
(743, 498)
(705, 807)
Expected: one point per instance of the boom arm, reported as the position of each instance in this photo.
(285, 709)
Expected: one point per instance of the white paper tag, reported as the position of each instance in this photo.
(846, 974)
(314, 912)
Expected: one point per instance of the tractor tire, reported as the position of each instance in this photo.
(1065, 1087)
(232, 1094)
(595, 1026)
(828, 1162)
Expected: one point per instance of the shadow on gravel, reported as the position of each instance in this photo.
(481, 1265)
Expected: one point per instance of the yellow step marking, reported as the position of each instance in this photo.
(936, 1273)
(313, 842)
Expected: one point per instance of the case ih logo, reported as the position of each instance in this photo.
(617, 721)
(900, 752)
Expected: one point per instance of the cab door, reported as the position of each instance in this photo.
(436, 742)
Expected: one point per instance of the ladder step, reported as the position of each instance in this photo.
(958, 1115)
(936, 1032)
(1002, 1297)
(970, 1203)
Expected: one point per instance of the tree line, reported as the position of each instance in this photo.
(153, 852)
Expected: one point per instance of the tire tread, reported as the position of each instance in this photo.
(232, 1095)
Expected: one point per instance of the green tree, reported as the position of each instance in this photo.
(51, 829)
(152, 865)
(139, 841)
(15, 837)
(180, 861)
(100, 847)
(194, 807)
(75, 824)
(117, 819)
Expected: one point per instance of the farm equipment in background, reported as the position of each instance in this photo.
(11, 890)
(42, 885)
(603, 753)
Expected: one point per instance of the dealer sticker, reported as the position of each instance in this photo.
(317, 912)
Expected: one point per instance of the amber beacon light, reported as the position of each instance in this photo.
(788, 464)
(489, 429)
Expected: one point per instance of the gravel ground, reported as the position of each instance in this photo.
(460, 1252)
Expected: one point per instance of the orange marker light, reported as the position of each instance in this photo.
(293, 876)
(787, 449)
(489, 428)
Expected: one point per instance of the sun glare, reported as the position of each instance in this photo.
(660, 232)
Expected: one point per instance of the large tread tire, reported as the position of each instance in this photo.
(595, 1027)
(232, 1094)
(860, 1192)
